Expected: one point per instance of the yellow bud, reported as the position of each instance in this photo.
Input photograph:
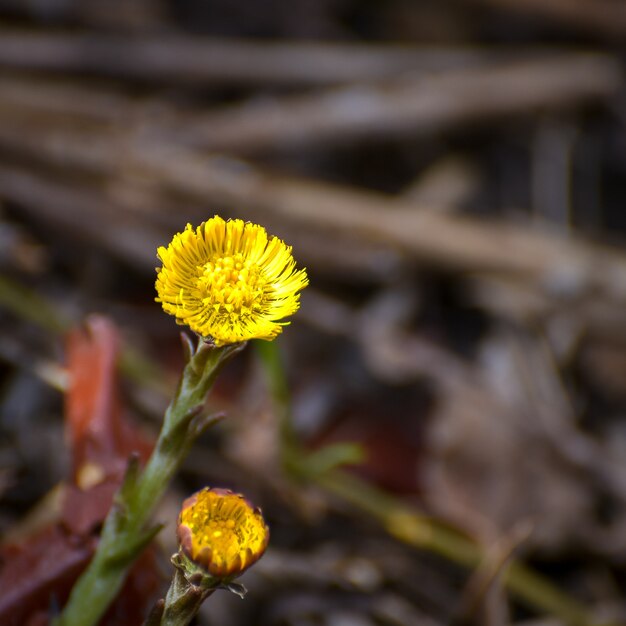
(222, 532)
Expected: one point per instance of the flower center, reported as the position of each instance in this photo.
(220, 536)
(232, 283)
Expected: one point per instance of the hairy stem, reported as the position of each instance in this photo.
(127, 529)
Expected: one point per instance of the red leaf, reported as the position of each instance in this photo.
(38, 573)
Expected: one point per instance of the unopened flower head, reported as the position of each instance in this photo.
(229, 281)
(222, 532)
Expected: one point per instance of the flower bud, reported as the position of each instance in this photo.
(221, 532)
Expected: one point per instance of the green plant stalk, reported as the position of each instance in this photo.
(405, 522)
(189, 588)
(191, 585)
(411, 527)
(126, 531)
(183, 600)
(271, 359)
(28, 305)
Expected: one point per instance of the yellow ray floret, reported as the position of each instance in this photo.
(222, 532)
(229, 281)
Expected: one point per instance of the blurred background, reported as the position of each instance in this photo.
(452, 173)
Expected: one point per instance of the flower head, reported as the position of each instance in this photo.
(222, 532)
(229, 281)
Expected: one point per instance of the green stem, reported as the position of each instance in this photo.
(270, 356)
(28, 305)
(407, 523)
(413, 528)
(190, 587)
(126, 530)
(183, 601)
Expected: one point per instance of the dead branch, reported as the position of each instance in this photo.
(82, 213)
(67, 100)
(602, 17)
(359, 113)
(565, 268)
(393, 109)
(187, 59)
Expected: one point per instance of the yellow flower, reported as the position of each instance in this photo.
(229, 281)
(221, 531)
